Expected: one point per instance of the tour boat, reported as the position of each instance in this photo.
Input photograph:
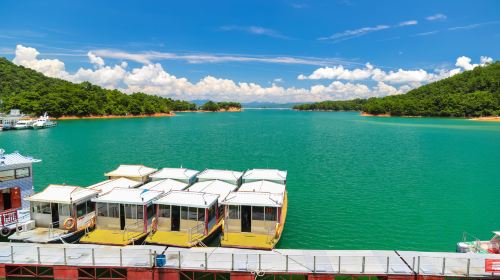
(24, 124)
(183, 222)
(164, 186)
(43, 122)
(16, 182)
(106, 186)
(184, 175)
(228, 176)
(124, 217)
(491, 246)
(255, 215)
(138, 173)
(60, 213)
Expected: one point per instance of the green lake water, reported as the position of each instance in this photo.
(353, 182)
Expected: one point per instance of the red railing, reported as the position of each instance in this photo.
(8, 217)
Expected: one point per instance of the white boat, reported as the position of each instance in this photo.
(43, 122)
(24, 124)
(480, 246)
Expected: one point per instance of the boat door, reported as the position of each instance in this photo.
(54, 209)
(122, 216)
(176, 218)
(246, 218)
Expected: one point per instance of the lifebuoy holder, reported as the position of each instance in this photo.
(4, 231)
(69, 223)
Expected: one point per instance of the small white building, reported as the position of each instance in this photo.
(138, 173)
(184, 175)
(273, 175)
(228, 176)
(122, 182)
(165, 186)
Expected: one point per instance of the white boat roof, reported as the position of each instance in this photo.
(126, 170)
(174, 173)
(265, 174)
(128, 196)
(254, 199)
(63, 194)
(217, 174)
(220, 188)
(496, 233)
(188, 199)
(14, 158)
(108, 185)
(262, 186)
(164, 186)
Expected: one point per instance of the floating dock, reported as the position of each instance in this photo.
(87, 261)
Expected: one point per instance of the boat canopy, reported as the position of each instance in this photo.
(214, 187)
(128, 196)
(108, 185)
(262, 186)
(188, 199)
(15, 158)
(175, 173)
(216, 174)
(497, 233)
(63, 194)
(126, 170)
(254, 199)
(265, 174)
(164, 186)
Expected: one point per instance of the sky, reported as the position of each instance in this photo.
(266, 51)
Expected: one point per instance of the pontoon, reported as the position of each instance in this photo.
(124, 216)
(491, 246)
(228, 176)
(138, 173)
(58, 213)
(255, 215)
(184, 175)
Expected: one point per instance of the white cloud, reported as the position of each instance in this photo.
(485, 60)
(28, 57)
(97, 61)
(256, 30)
(349, 34)
(339, 72)
(435, 17)
(408, 23)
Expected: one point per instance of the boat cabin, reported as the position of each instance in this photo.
(228, 176)
(220, 188)
(184, 218)
(106, 186)
(254, 215)
(124, 216)
(139, 173)
(271, 175)
(164, 186)
(184, 175)
(16, 182)
(58, 212)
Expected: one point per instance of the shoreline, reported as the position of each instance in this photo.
(486, 119)
(156, 115)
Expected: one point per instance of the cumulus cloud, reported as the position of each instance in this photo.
(28, 57)
(97, 61)
(436, 17)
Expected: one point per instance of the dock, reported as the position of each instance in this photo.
(87, 261)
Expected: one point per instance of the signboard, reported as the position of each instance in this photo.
(8, 217)
(492, 265)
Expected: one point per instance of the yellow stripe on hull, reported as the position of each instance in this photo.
(111, 237)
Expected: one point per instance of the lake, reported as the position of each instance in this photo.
(353, 182)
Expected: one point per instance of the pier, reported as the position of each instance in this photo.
(87, 261)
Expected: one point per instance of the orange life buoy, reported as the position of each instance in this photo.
(69, 223)
(154, 224)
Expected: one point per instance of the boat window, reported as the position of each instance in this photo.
(102, 209)
(113, 210)
(234, 211)
(140, 211)
(22, 172)
(257, 213)
(164, 211)
(184, 211)
(130, 211)
(81, 209)
(6, 175)
(64, 210)
(90, 206)
(201, 214)
(193, 214)
(150, 211)
(271, 213)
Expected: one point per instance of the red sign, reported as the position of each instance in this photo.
(9, 217)
(492, 265)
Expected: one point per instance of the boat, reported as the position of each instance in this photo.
(138, 173)
(255, 215)
(43, 122)
(24, 124)
(124, 217)
(59, 213)
(184, 175)
(16, 182)
(191, 217)
(491, 246)
(9, 121)
(228, 176)
(108, 185)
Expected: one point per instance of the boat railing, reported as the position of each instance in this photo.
(130, 228)
(52, 227)
(194, 232)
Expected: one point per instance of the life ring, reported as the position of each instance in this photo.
(5, 231)
(154, 224)
(69, 223)
(91, 223)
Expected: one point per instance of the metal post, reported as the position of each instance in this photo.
(64, 250)
(232, 261)
(150, 257)
(418, 265)
(121, 257)
(444, 265)
(413, 264)
(179, 259)
(468, 267)
(154, 258)
(11, 254)
(314, 264)
(286, 264)
(387, 268)
(206, 261)
(339, 264)
(363, 265)
(38, 254)
(93, 257)
(259, 262)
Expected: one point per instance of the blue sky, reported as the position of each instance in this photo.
(169, 47)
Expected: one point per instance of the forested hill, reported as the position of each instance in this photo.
(469, 94)
(34, 93)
